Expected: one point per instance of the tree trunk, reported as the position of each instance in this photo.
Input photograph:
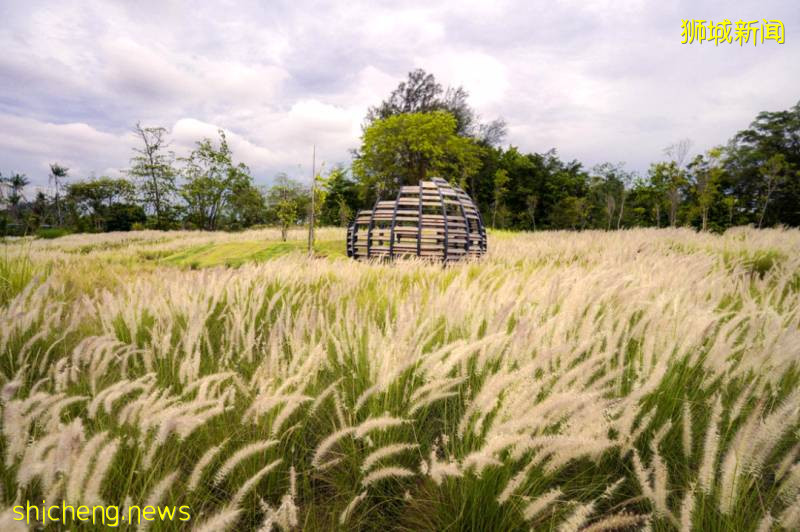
(673, 208)
(58, 207)
(312, 214)
(771, 185)
(158, 204)
(155, 182)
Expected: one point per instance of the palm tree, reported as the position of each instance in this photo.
(16, 184)
(57, 173)
(39, 208)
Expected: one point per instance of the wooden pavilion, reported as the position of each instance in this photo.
(434, 220)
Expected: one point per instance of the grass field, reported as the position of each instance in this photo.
(568, 381)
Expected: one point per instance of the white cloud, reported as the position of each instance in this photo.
(484, 76)
(85, 150)
(187, 131)
(599, 80)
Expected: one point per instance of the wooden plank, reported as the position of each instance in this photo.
(433, 220)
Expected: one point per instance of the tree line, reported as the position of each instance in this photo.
(423, 130)
(206, 190)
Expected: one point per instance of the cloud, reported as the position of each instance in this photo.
(598, 80)
(484, 76)
(33, 145)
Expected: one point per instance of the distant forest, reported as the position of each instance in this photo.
(423, 130)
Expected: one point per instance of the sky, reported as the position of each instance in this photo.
(596, 80)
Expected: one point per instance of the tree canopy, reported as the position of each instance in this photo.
(421, 93)
(215, 184)
(404, 149)
(153, 168)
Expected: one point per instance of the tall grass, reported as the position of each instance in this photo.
(568, 381)
(16, 272)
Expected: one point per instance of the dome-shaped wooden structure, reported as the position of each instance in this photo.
(434, 220)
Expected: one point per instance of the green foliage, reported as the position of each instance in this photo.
(123, 216)
(101, 201)
(608, 192)
(341, 198)
(774, 172)
(215, 186)
(57, 178)
(421, 93)
(16, 184)
(544, 177)
(570, 212)
(246, 205)
(750, 181)
(707, 172)
(404, 149)
(500, 190)
(153, 169)
(287, 201)
(771, 134)
(419, 131)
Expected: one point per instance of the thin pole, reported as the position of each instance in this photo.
(313, 193)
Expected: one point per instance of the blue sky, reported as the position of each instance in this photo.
(598, 81)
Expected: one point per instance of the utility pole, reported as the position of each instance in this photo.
(313, 193)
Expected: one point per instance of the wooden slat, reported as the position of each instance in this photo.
(433, 220)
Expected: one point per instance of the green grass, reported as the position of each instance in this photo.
(50, 233)
(235, 254)
(16, 272)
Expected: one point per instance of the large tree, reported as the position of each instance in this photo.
(404, 149)
(58, 174)
(421, 93)
(212, 179)
(16, 184)
(153, 168)
(407, 137)
(93, 199)
(609, 187)
(750, 176)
